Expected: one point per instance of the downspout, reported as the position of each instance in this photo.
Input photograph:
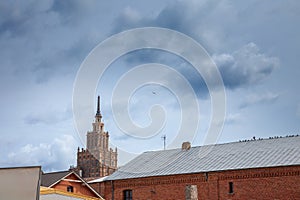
(112, 190)
(218, 188)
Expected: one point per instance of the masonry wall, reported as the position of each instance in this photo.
(263, 184)
(90, 166)
(99, 187)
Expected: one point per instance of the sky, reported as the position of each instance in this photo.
(254, 44)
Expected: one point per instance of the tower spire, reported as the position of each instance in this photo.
(98, 106)
(98, 113)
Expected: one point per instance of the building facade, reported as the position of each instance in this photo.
(54, 194)
(97, 160)
(55, 185)
(262, 184)
(256, 169)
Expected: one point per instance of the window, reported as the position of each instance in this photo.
(127, 194)
(230, 187)
(70, 188)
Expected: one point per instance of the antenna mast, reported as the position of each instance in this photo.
(164, 137)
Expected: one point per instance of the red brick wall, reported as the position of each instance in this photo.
(78, 187)
(91, 167)
(99, 187)
(262, 184)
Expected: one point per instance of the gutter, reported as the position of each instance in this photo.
(112, 190)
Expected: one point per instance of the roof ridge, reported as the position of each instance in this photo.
(226, 143)
(57, 172)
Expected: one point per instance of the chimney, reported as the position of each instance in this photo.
(186, 146)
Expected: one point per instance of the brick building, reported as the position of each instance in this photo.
(57, 184)
(98, 160)
(256, 169)
(54, 194)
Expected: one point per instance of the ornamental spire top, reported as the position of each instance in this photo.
(98, 113)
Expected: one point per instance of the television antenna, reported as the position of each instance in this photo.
(164, 137)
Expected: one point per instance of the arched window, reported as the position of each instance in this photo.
(230, 187)
(127, 194)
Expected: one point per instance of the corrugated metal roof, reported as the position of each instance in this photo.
(237, 155)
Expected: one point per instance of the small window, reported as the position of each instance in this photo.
(127, 194)
(70, 188)
(230, 187)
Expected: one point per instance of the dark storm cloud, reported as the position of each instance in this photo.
(173, 17)
(140, 57)
(245, 67)
(15, 16)
(241, 68)
(183, 16)
(46, 38)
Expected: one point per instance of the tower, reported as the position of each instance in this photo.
(98, 159)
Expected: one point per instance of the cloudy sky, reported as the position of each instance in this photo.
(255, 45)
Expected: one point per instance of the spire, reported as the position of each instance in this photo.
(98, 113)
(98, 106)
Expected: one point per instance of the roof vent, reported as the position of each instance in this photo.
(186, 146)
